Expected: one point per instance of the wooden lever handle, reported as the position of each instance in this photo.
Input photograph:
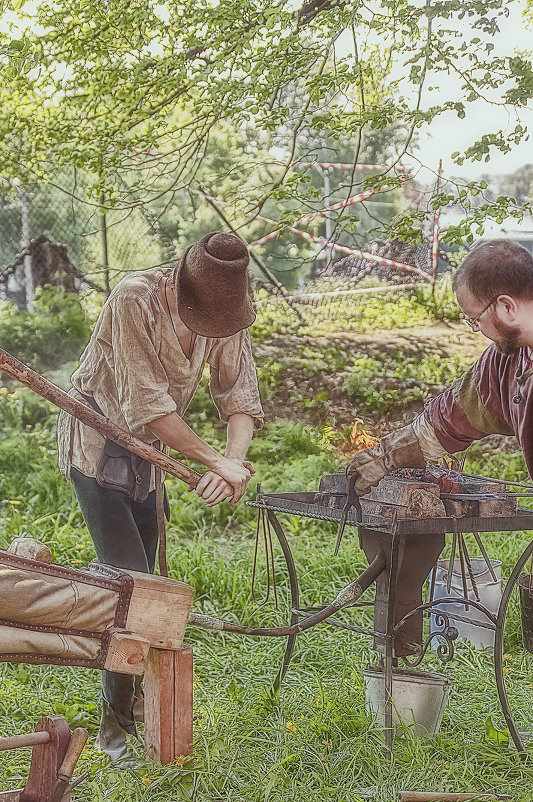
(78, 739)
(25, 375)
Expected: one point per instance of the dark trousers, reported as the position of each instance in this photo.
(124, 534)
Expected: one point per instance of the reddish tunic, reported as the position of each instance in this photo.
(494, 396)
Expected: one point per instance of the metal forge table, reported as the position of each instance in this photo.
(411, 547)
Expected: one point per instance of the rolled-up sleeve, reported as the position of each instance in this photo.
(459, 415)
(142, 382)
(233, 380)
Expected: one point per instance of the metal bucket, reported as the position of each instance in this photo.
(490, 593)
(418, 698)
(525, 586)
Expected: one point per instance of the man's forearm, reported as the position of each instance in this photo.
(239, 435)
(174, 432)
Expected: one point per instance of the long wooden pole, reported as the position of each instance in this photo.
(25, 375)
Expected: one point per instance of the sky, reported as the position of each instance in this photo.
(448, 133)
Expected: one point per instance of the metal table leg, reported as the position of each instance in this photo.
(498, 649)
(389, 639)
(295, 596)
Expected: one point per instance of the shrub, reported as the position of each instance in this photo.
(55, 332)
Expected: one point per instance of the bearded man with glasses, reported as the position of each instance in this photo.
(494, 288)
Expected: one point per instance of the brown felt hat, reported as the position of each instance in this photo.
(213, 286)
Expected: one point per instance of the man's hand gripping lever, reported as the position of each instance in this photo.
(227, 479)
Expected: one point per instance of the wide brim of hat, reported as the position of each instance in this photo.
(207, 323)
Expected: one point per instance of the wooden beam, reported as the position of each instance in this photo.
(168, 704)
(159, 609)
(19, 741)
(127, 653)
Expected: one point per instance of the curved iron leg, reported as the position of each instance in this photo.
(295, 596)
(498, 650)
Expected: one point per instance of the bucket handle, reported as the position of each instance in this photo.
(530, 583)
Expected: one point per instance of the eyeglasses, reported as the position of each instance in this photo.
(473, 322)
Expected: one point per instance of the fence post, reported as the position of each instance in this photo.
(103, 242)
(24, 243)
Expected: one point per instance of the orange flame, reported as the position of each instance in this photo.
(359, 438)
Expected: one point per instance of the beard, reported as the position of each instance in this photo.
(509, 339)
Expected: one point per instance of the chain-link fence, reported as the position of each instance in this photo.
(55, 232)
(99, 245)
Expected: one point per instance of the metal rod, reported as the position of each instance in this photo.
(463, 568)
(488, 561)
(502, 481)
(446, 600)
(295, 597)
(342, 625)
(18, 741)
(389, 639)
(452, 557)
(470, 570)
(498, 651)
(344, 598)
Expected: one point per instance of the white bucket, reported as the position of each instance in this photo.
(418, 698)
(490, 593)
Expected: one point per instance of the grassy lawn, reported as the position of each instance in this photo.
(313, 741)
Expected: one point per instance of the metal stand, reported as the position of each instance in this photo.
(390, 636)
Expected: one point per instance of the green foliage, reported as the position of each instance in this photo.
(399, 379)
(55, 332)
(380, 310)
(439, 301)
(175, 76)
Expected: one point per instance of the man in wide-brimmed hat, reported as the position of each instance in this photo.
(157, 331)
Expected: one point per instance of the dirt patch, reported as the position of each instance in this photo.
(302, 377)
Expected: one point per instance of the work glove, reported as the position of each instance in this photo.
(399, 449)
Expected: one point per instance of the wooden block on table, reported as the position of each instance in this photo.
(334, 501)
(168, 704)
(333, 482)
(499, 506)
(127, 653)
(417, 508)
(400, 491)
(411, 499)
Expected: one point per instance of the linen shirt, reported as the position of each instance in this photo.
(135, 369)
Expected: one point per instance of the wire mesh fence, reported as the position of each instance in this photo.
(96, 246)
(101, 244)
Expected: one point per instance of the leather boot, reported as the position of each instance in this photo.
(111, 738)
(138, 701)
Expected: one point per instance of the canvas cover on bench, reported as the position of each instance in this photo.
(53, 614)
